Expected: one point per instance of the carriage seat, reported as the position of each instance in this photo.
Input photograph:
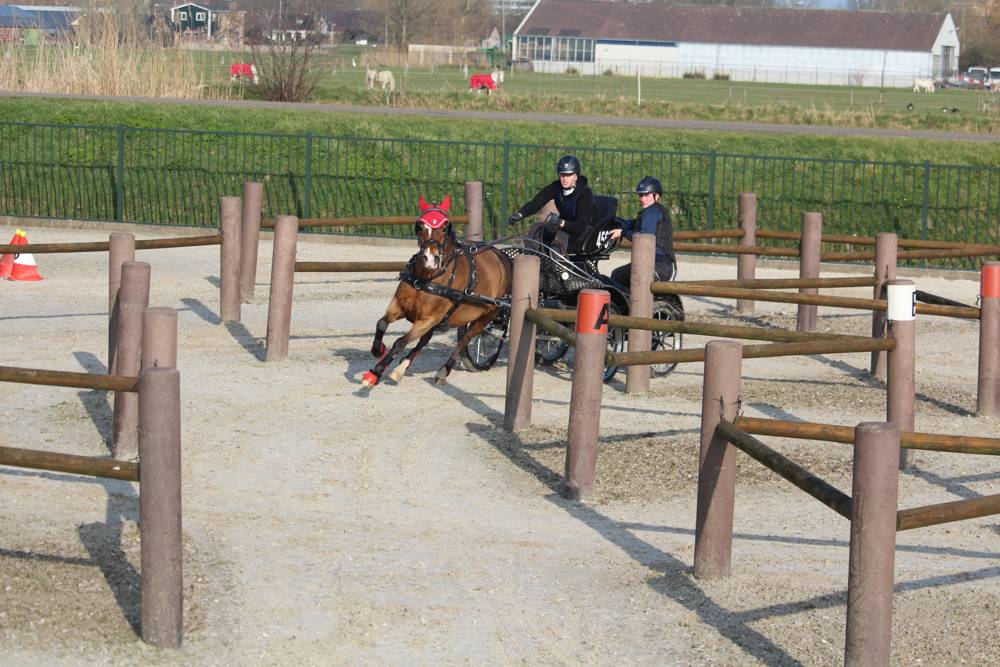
(596, 241)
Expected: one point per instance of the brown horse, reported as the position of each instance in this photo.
(446, 284)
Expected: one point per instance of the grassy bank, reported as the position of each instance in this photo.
(378, 125)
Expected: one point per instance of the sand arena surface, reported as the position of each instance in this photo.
(324, 524)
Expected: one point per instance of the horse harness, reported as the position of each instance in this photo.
(448, 291)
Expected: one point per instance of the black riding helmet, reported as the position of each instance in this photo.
(649, 186)
(568, 164)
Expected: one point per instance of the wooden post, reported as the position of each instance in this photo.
(746, 265)
(253, 202)
(279, 308)
(229, 261)
(592, 310)
(809, 252)
(121, 249)
(901, 313)
(159, 338)
(873, 545)
(713, 536)
(988, 394)
(886, 248)
(161, 553)
(521, 350)
(133, 300)
(474, 209)
(640, 305)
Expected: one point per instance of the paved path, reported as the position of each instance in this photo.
(619, 121)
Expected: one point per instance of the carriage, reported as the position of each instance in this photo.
(562, 276)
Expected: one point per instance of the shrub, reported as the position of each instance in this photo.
(572, 70)
(697, 74)
(608, 72)
(720, 76)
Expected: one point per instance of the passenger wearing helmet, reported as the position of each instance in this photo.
(653, 218)
(572, 198)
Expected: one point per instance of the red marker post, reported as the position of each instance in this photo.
(592, 311)
(988, 395)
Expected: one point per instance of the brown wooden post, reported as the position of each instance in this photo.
(592, 311)
(229, 262)
(521, 350)
(253, 202)
(873, 545)
(886, 248)
(988, 394)
(640, 305)
(809, 253)
(121, 249)
(159, 338)
(474, 209)
(746, 265)
(161, 554)
(133, 300)
(713, 541)
(279, 308)
(901, 313)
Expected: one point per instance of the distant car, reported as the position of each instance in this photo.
(975, 77)
(994, 82)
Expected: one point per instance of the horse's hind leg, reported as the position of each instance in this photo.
(397, 374)
(474, 330)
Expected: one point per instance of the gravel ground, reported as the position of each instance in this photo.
(325, 524)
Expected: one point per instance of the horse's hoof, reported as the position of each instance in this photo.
(397, 374)
(369, 379)
(441, 378)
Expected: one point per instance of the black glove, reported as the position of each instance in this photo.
(516, 218)
(552, 223)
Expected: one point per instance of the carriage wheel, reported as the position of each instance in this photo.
(668, 309)
(548, 348)
(616, 343)
(483, 351)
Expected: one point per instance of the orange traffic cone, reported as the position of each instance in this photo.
(24, 267)
(7, 261)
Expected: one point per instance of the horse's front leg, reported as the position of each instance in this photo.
(421, 327)
(392, 314)
(474, 330)
(397, 374)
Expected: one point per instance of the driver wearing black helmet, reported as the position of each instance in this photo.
(653, 218)
(572, 198)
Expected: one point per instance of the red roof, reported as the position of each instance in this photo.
(733, 25)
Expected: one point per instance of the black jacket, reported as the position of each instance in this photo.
(577, 209)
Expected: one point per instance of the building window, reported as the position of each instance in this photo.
(183, 16)
(199, 16)
(564, 49)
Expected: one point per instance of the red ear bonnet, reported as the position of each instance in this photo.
(433, 216)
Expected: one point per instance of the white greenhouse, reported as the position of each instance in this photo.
(742, 43)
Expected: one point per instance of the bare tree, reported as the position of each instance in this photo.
(401, 21)
(285, 60)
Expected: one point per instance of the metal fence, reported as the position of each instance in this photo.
(176, 177)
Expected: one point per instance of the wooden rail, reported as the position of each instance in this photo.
(931, 515)
(965, 251)
(824, 346)
(542, 319)
(812, 299)
(69, 463)
(362, 220)
(103, 246)
(785, 283)
(847, 239)
(815, 486)
(709, 234)
(68, 379)
(732, 249)
(701, 328)
(963, 444)
(349, 267)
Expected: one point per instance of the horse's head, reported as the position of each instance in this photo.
(434, 233)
